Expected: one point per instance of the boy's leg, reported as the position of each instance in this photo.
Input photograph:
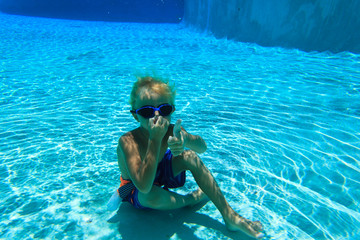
(161, 199)
(189, 160)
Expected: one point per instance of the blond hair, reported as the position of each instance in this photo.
(156, 85)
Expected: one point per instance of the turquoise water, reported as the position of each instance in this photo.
(282, 128)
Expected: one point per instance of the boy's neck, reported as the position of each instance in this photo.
(144, 133)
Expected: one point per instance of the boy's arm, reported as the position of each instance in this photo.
(194, 142)
(181, 139)
(141, 172)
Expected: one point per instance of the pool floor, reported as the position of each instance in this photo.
(281, 125)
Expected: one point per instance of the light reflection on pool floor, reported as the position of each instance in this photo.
(282, 128)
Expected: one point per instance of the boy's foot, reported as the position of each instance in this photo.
(251, 228)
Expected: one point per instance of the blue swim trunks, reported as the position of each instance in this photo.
(164, 178)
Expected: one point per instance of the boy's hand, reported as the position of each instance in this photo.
(158, 127)
(176, 142)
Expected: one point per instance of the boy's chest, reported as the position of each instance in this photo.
(143, 150)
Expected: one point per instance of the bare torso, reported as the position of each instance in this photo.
(140, 144)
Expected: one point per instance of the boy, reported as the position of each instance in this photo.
(153, 155)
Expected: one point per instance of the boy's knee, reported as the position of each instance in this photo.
(191, 159)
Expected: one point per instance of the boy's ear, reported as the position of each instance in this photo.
(135, 116)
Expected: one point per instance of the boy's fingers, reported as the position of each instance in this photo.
(175, 153)
(171, 144)
(176, 148)
(175, 144)
(163, 120)
(177, 128)
(173, 140)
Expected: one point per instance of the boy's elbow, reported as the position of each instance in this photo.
(203, 150)
(144, 190)
(204, 147)
(143, 187)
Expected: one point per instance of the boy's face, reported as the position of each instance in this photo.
(148, 97)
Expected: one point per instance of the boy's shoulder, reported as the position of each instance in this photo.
(131, 136)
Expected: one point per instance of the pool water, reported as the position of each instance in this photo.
(282, 128)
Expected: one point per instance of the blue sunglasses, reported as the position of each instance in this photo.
(149, 111)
